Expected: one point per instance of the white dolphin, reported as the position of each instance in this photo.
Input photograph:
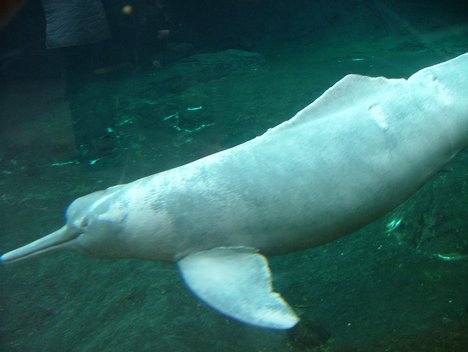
(355, 153)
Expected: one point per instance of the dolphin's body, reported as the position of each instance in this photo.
(355, 153)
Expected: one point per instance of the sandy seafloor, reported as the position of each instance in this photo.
(372, 291)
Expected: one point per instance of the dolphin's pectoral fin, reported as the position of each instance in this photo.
(237, 282)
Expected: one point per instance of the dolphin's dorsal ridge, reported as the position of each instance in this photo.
(237, 282)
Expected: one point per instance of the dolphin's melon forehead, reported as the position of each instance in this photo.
(90, 202)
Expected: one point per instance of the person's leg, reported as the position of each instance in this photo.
(91, 107)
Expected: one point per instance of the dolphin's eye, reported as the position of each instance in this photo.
(81, 223)
(84, 222)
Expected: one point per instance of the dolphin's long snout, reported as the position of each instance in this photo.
(48, 244)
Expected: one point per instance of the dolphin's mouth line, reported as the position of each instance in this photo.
(51, 243)
(4, 259)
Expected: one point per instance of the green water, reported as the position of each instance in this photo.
(399, 284)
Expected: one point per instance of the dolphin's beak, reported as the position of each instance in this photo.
(51, 243)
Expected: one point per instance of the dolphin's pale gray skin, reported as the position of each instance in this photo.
(355, 153)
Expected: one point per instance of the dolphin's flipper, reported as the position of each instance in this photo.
(237, 282)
